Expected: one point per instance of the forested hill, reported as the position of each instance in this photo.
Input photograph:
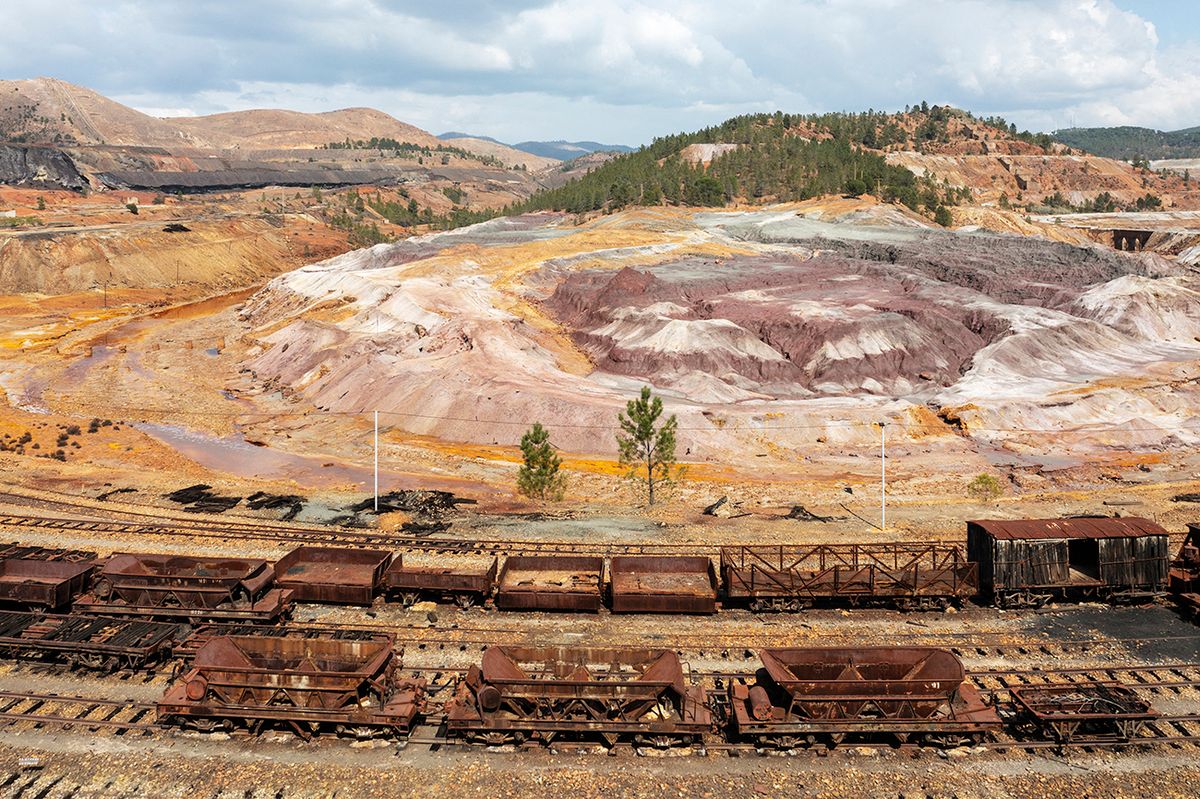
(782, 157)
(1128, 143)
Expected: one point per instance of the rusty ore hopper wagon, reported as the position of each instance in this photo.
(332, 574)
(805, 696)
(465, 586)
(551, 582)
(1028, 562)
(42, 583)
(174, 586)
(307, 684)
(103, 643)
(659, 584)
(524, 693)
(782, 578)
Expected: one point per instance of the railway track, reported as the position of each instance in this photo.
(347, 537)
(88, 713)
(33, 710)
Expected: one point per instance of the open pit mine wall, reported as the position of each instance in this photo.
(22, 165)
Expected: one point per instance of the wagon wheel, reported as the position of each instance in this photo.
(499, 738)
(464, 601)
(834, 739)
(209, 725)
(94, 660)
(409, 598)
(358, 732)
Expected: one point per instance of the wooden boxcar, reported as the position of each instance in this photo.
(1027, 562)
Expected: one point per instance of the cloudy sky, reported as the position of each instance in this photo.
(623, 71)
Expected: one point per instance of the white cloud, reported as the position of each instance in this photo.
(623, 70)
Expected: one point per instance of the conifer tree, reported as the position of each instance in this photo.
(649, 451)
(539, 476)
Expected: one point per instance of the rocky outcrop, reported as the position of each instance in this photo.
(22, 165)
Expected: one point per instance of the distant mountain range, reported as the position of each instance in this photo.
(1126, 142)
(560, 149)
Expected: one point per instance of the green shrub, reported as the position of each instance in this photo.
(985, 487)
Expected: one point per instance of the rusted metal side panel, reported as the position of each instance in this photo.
(332, 574)
(661, 584)
(893, 571)
(550, 582)
(26, 552)
(157, 580)
(433, 579)
(42, 583)
(520, 692)
(868, 691)
(310, 681)
(1185, 570)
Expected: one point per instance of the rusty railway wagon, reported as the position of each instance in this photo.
(101, 643)
(662, 584)
(186, 646)
(49, 584)
(27, 552)
(462, 585)
(1185, 573)
(806, 696)
(1028, 562)
(174, 586)
(551, 582)
(332, 575)
(517, 694)
(788, 578)
(1090, 711)
(306, 684)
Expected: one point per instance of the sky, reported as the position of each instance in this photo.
(623, 71)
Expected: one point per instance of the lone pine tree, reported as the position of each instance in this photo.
(539, 476)
(647, 450)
